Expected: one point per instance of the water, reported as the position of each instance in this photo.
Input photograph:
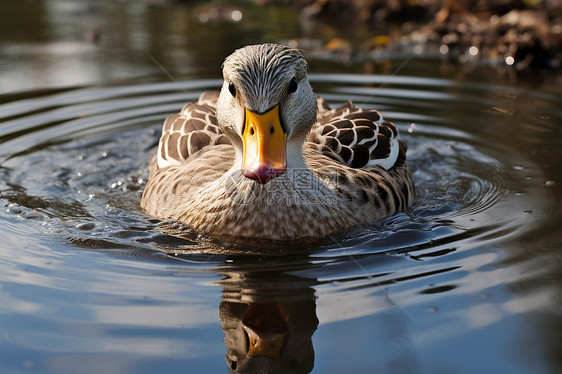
(467, 281)
(463, 282)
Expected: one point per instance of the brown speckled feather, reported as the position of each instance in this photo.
(348, 187)
(187, 132)
(356, 138)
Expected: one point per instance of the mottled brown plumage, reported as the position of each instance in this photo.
(345, 166)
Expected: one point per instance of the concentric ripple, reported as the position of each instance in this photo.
(76, 161)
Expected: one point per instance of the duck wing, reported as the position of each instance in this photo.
(186, 133)
(357, 138)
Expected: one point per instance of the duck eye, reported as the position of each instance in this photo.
(293, 85)
(232, 89)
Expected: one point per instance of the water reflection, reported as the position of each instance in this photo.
(268, 319)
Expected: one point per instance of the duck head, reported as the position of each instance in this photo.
(266, 108)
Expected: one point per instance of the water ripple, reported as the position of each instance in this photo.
(76, 161)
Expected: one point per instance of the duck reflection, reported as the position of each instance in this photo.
(268, 320)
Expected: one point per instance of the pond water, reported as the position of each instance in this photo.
(468, 280)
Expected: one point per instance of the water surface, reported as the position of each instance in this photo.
(468, 280)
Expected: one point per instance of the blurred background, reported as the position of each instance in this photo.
(54, 43)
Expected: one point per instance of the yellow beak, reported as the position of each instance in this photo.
(265, 146)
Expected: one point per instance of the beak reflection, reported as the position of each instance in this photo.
(268, 321)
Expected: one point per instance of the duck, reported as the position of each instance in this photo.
(265, 158)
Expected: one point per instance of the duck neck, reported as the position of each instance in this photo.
(295, 158)
(298, 175)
